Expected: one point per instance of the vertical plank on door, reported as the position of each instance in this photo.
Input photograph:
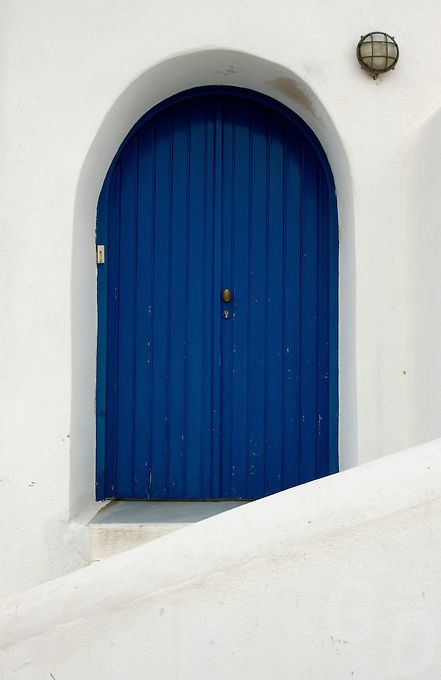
(291, 311)
(209, 432)
(240, 306)
(127, 324)
(144, 314)
(195, 302)
(275, 349)
(161, 307)
(308, 301)
(178, 304)
(258, 280)
(113, 238)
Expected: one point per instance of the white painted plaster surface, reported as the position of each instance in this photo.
(424, 276)
(75, 76)
(335, 579)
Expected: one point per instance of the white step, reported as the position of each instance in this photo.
(122, 525)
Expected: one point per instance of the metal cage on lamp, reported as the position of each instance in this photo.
(377, 52)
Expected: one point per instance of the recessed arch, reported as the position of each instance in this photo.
(205, 67)
(200, 397)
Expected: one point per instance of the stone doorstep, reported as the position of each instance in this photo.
(122, 525)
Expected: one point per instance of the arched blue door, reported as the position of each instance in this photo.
(198, 396)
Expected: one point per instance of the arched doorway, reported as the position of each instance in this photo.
(200, 396)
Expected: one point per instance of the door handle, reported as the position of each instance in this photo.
(227, 295)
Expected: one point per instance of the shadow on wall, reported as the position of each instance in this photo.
(423, 278)
(208, 67)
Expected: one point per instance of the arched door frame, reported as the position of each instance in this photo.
(309, 135)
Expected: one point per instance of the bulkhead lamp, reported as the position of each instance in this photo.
(377, 52)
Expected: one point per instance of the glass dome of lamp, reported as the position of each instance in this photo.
(377, 53)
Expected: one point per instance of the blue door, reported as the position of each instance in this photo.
(217, 302)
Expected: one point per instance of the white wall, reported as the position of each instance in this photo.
(335, 579)
(423, 211)
(75, 77)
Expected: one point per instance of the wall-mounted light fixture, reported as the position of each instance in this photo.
(377, 52)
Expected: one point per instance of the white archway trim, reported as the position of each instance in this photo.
(178, 73)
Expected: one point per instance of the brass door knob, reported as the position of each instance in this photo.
(227, 295)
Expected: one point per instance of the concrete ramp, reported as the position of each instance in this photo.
(339, 578)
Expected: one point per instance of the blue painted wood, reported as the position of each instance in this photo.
(257, 303)
(240, 282)
(216, 356)
(179, 274)
(144, 314)
(126, 320)
(291, 311)
(217, 188)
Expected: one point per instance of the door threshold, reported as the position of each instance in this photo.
(122, 525)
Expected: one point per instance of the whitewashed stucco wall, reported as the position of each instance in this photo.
(75, 77)
(423, 212)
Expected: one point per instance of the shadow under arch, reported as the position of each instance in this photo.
(178, 73)
(423, 205)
